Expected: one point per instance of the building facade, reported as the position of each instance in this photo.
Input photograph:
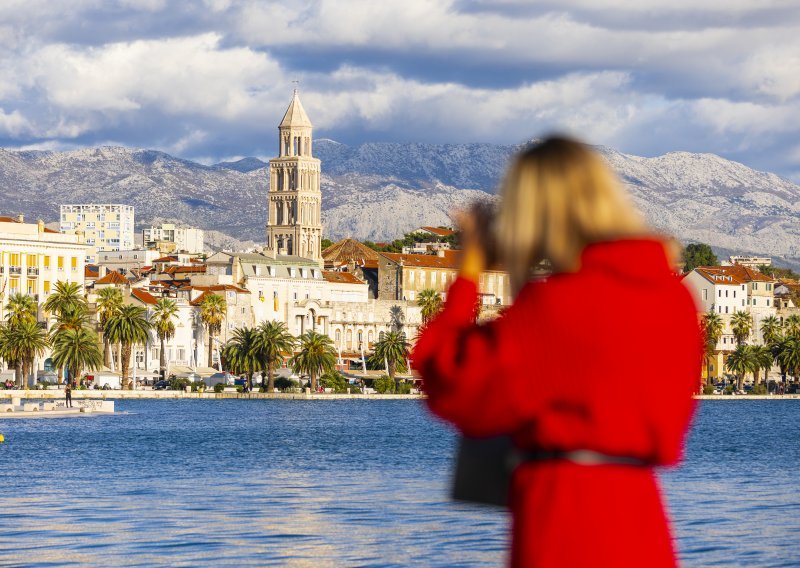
(105, 227)
(169, 238)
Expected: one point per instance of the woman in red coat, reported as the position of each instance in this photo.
(591, 370)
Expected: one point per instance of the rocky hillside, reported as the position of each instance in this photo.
(379, 191)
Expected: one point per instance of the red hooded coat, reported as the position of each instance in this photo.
(603, 359)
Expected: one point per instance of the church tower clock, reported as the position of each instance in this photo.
(294, 199)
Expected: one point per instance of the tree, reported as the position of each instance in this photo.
(20, 308)
(392, 349)
(789, 355)
(316, 355)
(326, 243)
(698, 254)
(272, 341)
(240, 352)
(212, 313)
(763, 360)
(741, 324)
(712, 326)
(21, 344)
(431, 302)
(109, 300)
(164, 312)
(792, 325)
(67, 296)
(71, 317)
(76, 350)
(128, 326)
(741, 361)
(771, 329)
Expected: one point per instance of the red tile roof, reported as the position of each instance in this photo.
(91, 271)
(447, 261)
(143, 296)
(732, 275)
(167, 259)
(341, 277)
(439, 231)
(112, 278)
(208, 290)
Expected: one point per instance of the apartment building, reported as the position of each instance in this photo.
(169, 238)
(33, 258)
(105, 227)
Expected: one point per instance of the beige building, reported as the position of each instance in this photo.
(33, 258)
(404, 276)
(105, 227)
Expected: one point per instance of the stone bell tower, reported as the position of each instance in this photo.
(294, 224)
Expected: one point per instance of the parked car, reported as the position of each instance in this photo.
(162, 385)
(223, 377)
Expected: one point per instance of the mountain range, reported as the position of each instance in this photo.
(378, 191)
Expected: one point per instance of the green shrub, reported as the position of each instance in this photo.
(198, 386)
(384, 385)
(403, 388)
(180, 384)
(284, 383)
(759, 389)
(334, 380)
(219, 387)
(708, 389)
(354, 389)
(728, 390)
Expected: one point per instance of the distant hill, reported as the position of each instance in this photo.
(379, 191)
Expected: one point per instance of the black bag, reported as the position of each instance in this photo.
(483, 470)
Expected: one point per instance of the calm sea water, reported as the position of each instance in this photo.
(333, 483)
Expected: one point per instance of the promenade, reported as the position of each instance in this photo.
(175, 394)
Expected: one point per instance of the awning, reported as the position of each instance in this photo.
(205, 371)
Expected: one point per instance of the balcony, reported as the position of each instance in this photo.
(32, 271)
(15, 270)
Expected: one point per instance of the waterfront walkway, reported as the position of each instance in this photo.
(172, 394)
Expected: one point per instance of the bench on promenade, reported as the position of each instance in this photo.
(30, 407)
(6, 408)
(48, 406)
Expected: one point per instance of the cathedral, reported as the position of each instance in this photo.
(294, 199)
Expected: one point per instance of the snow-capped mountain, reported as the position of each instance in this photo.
(378, 191)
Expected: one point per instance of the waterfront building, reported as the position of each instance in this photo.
(169, 238)
(749, 261)
(33, 258)
(294, 198)
(404, 276)
(105, 227)
(127, 262)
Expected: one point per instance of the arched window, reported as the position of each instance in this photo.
(349, 338)
(338, 336)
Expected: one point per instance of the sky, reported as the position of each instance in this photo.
(209, 80)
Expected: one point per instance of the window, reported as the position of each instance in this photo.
(719, 293)
(726, 293)
(705, 294)
(755, 285)
(31, 261)
(61, 263)
(74, 262)
(46, 286)
(767, 302)
(734, 293)
(46, 260)
(726, 309)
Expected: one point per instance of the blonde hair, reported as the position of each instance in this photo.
(558, 197)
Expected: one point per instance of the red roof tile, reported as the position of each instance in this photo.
(439, 231)
(340, 277)
(113, 278)
(143, 296)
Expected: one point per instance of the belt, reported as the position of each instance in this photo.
(581, 457)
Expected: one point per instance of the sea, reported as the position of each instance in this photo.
(344, 483)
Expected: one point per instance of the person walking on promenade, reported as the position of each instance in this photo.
(559, 370)
(68, 395)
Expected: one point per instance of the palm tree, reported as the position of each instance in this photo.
(792, 325)
(128, 326)
(741, 324)
(272, 341)
(240, 351)
(741, 361)
(712, 327)
(21, 344)
(315, 357)
(392, 349)
(66, 296)
(789, 355)
(20, 308)
(76, 350)
(776, 348)
(72, 317)
(763, 360)
(164, 312)
(431, 302)
(212, 313)
(108, 301)
(770, 329)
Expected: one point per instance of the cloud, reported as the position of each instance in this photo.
(212, 77)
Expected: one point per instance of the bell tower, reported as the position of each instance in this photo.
(294, 199)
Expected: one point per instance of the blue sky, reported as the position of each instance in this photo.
(210, 79)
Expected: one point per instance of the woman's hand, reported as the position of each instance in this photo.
(473, 258)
